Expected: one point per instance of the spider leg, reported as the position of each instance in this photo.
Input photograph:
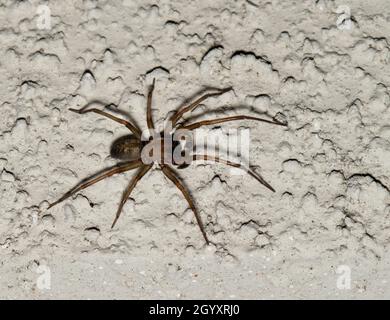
(226, 119)
(171, 175)
(196, 103)
(143, 170)
(149, 119)
(126, 123)
(254, 174)
(119, 168)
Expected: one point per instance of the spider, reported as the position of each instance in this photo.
(129, 149)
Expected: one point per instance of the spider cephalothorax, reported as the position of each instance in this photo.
(137, 152)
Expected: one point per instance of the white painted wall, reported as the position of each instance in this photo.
(323, 234)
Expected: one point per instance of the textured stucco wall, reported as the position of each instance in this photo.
(330, 216)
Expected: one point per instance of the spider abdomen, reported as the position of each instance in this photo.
(126, 148)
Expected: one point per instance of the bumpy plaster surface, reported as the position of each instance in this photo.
(330, 216)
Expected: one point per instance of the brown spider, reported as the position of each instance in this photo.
(130, 148)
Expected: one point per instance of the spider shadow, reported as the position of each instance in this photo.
(198, 94)
(112, 107)
(99, 173)
(222, 112)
